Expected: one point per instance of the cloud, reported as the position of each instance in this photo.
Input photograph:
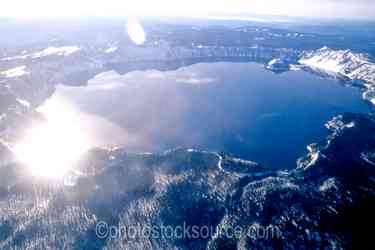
(111, 79)
(196, 80)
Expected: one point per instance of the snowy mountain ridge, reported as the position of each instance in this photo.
(355, 66)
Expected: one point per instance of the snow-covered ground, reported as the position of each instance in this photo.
(111, 49)
(58, 51)
(354, 66)
(15, 72)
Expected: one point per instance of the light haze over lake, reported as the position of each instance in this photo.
(239, 108)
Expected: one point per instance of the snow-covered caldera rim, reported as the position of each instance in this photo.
(49, 51)
(355, 66)
(15, 72)
(346, 63)
(326, 49)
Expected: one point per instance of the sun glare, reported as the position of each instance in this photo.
(135, 31)
(51, 148)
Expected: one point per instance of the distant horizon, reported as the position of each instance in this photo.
(327, 9)
(220, 17)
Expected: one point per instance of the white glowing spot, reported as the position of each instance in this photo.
(51, 148)
(111, 49)
(135, 31)
(24, 103)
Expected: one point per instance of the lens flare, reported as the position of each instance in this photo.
(135, 31)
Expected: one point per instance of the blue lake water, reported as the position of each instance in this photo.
(238, 108)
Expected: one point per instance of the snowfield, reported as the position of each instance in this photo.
(345, 62)
(50, 51)
(15, 72)
(354, 66)
(111, 50)
(59, 51)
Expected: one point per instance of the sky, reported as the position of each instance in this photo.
(357, 9)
